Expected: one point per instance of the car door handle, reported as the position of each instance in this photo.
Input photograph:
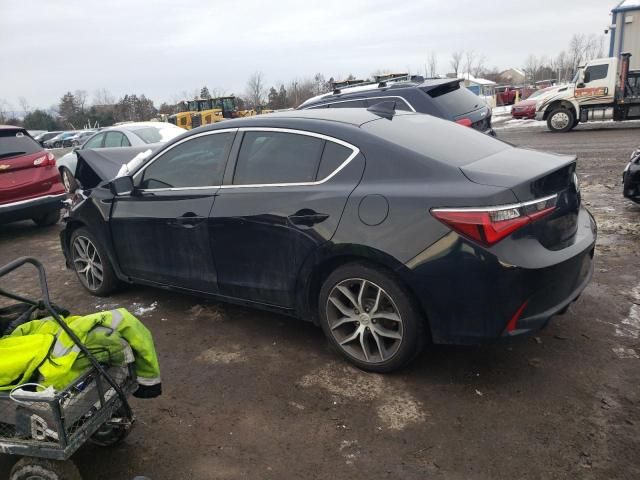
(307, 218)
(188, 220)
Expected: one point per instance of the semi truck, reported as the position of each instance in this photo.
(602, 89)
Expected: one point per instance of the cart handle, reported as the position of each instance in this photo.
(17, 263)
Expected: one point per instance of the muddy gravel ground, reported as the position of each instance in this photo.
(253, 395)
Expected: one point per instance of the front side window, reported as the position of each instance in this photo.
(95, 142)
(596, 72)
(162, 133)
(198, 162)
(277, 157)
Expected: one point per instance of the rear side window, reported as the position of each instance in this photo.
(277, 157)
(333, 156)
(13, 143)
(454, 101)
(596, 72)
(401, 104)
(199, 162)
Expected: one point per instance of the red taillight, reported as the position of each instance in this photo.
(48, 160)
(489, 225)
(464, 121)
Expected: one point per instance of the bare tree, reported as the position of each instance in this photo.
(102, 96)
(479, 67)
(5, 110)
(256, 89)
(432, 64)
(469, 58)
(531, 67)
(593, 47)
(577, 46)
(24, 105)
(456, 59)
(81, 99)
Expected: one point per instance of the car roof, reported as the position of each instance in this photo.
(362, 91)
(137, 125)
(350, 116)
(10, 127)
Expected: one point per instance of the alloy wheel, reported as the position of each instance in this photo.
(87, 262)
(560, 120)
(66, 180)
(364, 320)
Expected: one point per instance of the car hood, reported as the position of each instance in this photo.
(96, 166)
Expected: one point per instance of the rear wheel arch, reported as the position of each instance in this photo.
(309, 291)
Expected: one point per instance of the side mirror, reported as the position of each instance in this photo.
(121, 186)
(580, 85)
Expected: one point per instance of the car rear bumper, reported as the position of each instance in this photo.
(30, 208)
(523, 115)
(539, 116)
(473, 295)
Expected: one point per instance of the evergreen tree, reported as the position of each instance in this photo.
(204, 93)
(39, 120)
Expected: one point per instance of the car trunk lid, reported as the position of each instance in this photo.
(532, 176)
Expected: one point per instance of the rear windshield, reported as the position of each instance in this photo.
(453, 100)
(157, 134)
(436, 138)
(13, 143)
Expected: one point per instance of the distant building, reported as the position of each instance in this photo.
(625, 31)
(481, 86)
(512, 76)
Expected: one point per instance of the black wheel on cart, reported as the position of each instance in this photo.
(110, 435)
(41, 469)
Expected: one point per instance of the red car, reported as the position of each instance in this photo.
(527, 108)
(30, 184)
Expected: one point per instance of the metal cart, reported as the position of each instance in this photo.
(46, 429)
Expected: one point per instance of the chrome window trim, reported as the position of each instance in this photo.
(314, 107)
(354, 152)
(497, 208)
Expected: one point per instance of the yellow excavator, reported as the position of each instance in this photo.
(204, 111)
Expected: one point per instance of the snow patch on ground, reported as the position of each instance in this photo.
(345, 381)
(401, 411)
(625, 353)
(396, 409)
(630, 326)
(216, 356)
(139, 309)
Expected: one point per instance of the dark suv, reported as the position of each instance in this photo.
(444, 98)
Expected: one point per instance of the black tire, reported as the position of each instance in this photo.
(109, 282)
(412, 323)
(111, 435)
(68, 180)
(40, 469)
(561, 120)
(47, 219)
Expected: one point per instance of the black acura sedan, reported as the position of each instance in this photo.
(388, 229)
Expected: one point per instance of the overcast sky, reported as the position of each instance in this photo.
(165, 47)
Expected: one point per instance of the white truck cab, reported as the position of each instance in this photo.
(602, 89)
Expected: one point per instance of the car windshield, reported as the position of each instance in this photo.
(453, 100)
(16, 142)
(161, 133)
